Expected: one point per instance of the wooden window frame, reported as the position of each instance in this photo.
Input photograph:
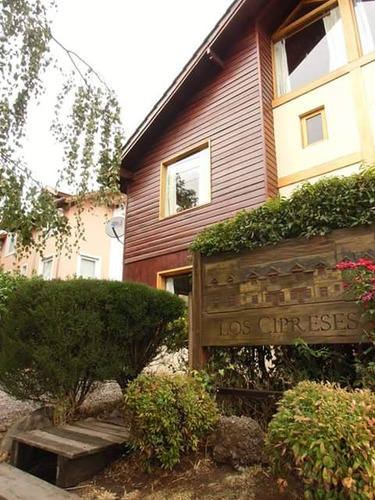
(161, 276)
(310, 114)
(351, 36)
(206, 144)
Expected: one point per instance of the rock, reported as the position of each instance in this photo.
(38, 419)
(238, 441)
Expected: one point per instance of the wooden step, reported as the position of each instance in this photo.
(18, 485)
(68, 454)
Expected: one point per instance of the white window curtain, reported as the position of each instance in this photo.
(364, 28)
(169, 285)
(282, 71)
(335, 39)
(204, 177)
(171, 195)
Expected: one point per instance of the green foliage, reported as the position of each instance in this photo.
(313, 209)
(170, 415)
(327, 436)
(8, 283)
(58, 338)
(87, 123)
(177, 333)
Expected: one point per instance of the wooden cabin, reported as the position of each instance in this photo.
(280, 92)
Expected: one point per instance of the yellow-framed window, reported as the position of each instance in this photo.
(185, 180)
(319, 37)
(314, 127)
(177, 281)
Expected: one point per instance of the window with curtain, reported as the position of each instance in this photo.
(88, 267)
(313, 51)
(12, 240)
(187, 182)
(365, 16)
(179, 285)
(47, 266)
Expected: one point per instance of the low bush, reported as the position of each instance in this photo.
(170, 415)
(58, 338)
(327, 436)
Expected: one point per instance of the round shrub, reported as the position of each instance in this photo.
(170, 415)
(326, 435)
(58, 338)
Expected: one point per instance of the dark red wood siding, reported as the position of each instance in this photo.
(228, 111)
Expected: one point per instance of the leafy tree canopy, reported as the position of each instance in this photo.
(87, 124)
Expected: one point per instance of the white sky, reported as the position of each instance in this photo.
(138, 46)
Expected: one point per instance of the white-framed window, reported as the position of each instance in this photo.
(310, 51)
(186, 181)
(365, 16)
(46, 267)
(88, 266)
(23, 269)
(11, 243)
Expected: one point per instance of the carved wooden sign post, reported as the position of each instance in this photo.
(276, 295)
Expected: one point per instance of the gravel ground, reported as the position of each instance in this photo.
(12, 409)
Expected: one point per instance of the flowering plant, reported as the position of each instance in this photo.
(359, 281)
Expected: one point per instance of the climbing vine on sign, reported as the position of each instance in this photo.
(87, 124)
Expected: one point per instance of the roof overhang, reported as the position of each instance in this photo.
(204, 62)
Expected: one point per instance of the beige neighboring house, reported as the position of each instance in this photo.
(98, 255)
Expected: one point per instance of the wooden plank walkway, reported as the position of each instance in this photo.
(18, 485)
(68, 454)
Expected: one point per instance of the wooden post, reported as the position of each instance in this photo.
(198, 355)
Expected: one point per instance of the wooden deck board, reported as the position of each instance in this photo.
(79, 449)
(88, 431)
(69, 441)
(18, 485)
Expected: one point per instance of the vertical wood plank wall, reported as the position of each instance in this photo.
(228, 111)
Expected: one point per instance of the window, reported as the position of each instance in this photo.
(309, 50)
(88, 267)
(11, 242)
(177, 281)
(24, 269)
(185, 181)
(365, 15)
(47, 267)
(314, 127)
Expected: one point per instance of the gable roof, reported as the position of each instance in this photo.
(186, 80)
(229, 27)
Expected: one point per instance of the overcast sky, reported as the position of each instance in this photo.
(138, 46)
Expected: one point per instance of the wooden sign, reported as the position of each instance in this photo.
(277, 294)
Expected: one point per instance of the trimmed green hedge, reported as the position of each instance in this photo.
(57, 338)
(313, 209)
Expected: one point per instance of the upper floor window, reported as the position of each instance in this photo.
(11, 243)
(365, 15)
(185, 181)
(309, 48)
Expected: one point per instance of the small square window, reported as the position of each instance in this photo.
(314, 127)
(24, 270)
(186, 181)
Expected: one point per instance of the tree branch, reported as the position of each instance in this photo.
(71, 54)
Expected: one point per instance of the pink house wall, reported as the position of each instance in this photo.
(95, 244)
